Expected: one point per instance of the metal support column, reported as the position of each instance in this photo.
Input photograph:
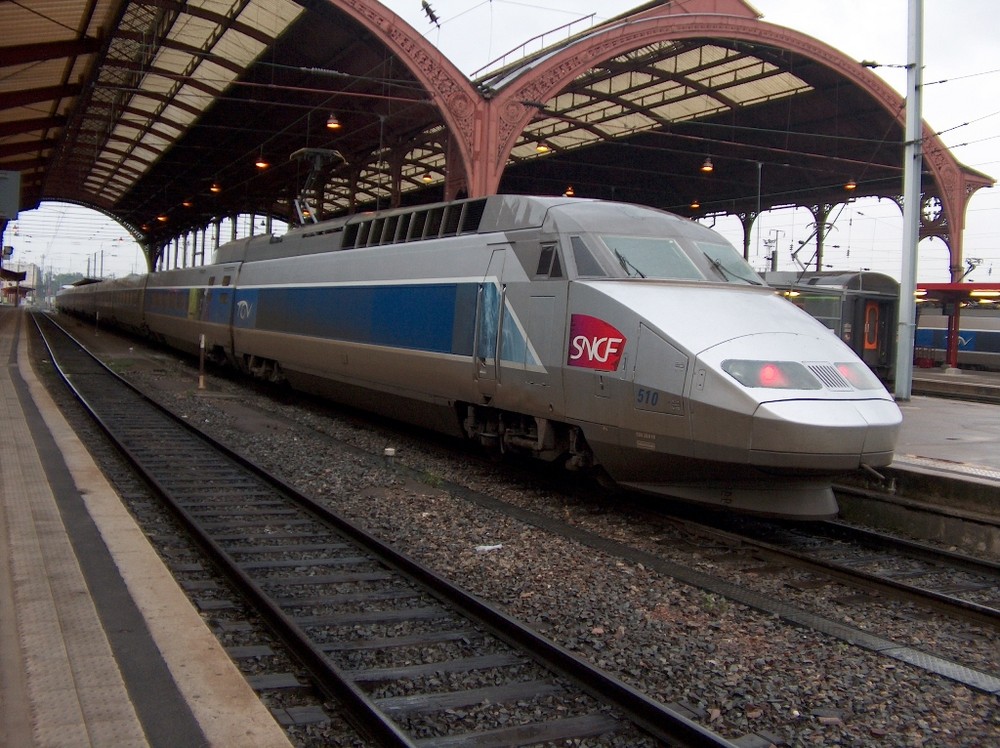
(912, 168)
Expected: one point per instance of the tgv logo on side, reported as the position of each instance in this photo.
(594, 344)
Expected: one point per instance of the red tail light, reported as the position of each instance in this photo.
(771, 376)
(859, 375)
(776, 375)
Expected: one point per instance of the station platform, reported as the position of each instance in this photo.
(948, 454)
(948, 434)
(945, 418)
(941, 381)
(98, 644)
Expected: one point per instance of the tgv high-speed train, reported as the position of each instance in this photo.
(601, 334)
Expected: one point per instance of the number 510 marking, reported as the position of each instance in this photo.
(646, 397)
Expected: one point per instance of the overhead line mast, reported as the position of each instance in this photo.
(912, 168)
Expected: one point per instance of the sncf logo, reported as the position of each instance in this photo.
(594, 344)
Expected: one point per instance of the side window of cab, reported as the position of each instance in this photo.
(548, 262)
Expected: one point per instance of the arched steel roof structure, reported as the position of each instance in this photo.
(140, 107)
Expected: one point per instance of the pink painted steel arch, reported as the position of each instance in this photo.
(506, 117)
(458, 101)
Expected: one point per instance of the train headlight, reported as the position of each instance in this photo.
(859, 375)
(775, 375)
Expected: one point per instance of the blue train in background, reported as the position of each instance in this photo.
(978, 333)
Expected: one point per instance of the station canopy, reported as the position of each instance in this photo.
(170, 115)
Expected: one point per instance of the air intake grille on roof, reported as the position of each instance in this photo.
(829, 376)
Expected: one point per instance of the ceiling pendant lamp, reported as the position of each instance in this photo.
(707, 167)
(332, 123)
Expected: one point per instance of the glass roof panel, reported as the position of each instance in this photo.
(193, 30)
(773, 87)
(238, 47)
(173, 61)
(193, 97)
(696, 58)
(215, 76)
(691, 108)
(574, 139)
(587, 109)
(174, 116)
(732, 70)
(158, 84)
(270, 16)
(629, 123)
(154, 144)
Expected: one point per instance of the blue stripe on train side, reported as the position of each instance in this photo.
(218, 305)
(989, 340)
(439, 318)
(206, 304)
(969, 340)
(929, 338)
(980, 341)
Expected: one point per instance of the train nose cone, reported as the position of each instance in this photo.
(825, 434)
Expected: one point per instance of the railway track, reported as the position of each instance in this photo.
(386, 637)
(959, 585)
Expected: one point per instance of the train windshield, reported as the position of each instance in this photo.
(650, 257)
(728, 263)
(669, 259)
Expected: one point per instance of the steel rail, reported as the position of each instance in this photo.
(949, 604)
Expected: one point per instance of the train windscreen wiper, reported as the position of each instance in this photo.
(727, 273)
(626, 265)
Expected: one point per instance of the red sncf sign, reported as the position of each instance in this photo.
(594, 344)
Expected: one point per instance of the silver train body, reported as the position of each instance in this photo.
(600, 334)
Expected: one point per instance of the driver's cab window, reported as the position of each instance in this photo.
(548, 263)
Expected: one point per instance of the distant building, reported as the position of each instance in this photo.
(19, 278)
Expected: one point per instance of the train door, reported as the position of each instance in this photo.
(876, 346)
(489, 323)
(226, 305)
